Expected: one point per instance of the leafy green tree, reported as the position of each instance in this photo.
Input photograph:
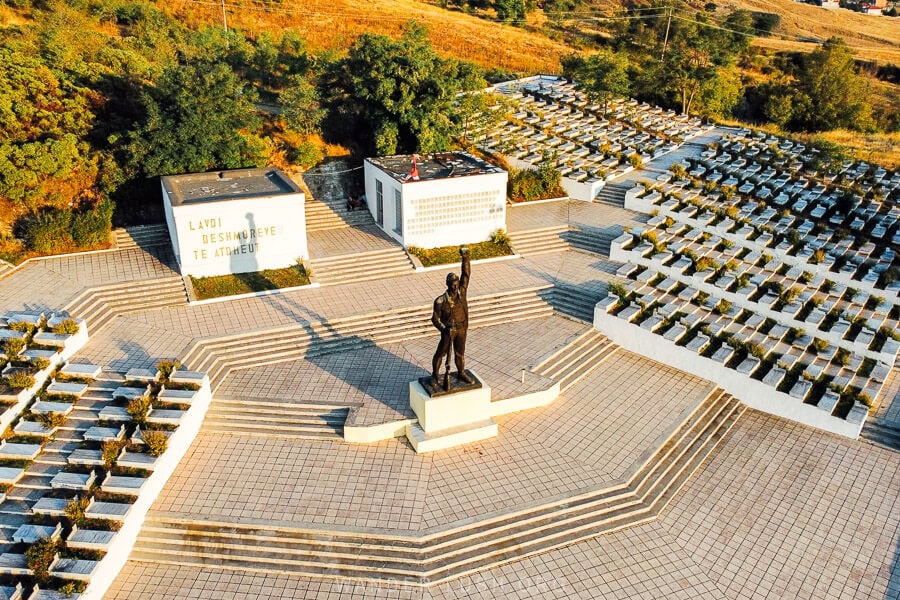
(44, 119)
(401, 92)
(509, 10)
(301, 109)
(199, 117)
(603, 75)
(720, 94)
(839, 92)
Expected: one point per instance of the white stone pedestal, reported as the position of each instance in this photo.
(450, 419)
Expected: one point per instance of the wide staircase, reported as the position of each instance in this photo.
(141, 236)
(221, 355)
(323, 216)
(100, 305)
(592, 239)
(364, 266)
(539, 241)
(264, 418)
(572, 302)
(881, 434)
(458, 549)
(614, 193)
(578, 359)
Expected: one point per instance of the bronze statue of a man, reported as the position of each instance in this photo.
(451, 317)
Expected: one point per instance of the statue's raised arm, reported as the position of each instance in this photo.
(466, 268)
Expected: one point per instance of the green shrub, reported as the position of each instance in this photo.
(722, 307)
(156, 441)
(535, 184)
(167, 367)
(51, 420)
(72, 587)
(618, 289)
(91, 228)
(50, 232)
(75, 509)
(138, 408)
(500, 237)
(19, 380)
(22, 326)
(307, 154)
(819, 345)
(40, 362)
(12, 346)
(39, 557)
(66, 327)
(110, 452)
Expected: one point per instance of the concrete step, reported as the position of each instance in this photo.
(590, 241)
(141, 236)
(578, 359)
(98, 306)
(276, 419)
(275, 351)
(573, 303)
(361, 267)
(461, 549)
(540, 241)
(882, 435)
(613, 193)
(412, 320)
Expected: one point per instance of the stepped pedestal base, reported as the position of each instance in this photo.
(448, 438)
(449, 419)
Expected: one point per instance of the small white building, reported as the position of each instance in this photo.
(450, 198)
(238, 221)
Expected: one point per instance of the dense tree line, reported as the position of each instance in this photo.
(707, 67)
(87, 117)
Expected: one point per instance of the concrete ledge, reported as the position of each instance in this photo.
(253, 294)
(448, 438)
(532, 400)
(751, 392)
(122, 544)
(452, 265)
(368, 434)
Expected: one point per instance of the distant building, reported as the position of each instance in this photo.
(438, 199)
(234, 221)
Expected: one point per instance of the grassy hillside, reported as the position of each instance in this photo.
(872, 37)
(335, 24)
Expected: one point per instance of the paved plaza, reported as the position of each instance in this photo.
(672, 487)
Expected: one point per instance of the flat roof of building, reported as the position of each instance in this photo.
(195, 188)
(440, 165)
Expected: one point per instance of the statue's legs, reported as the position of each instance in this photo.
(459, 353)
(442, 350)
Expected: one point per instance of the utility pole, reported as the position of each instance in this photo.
(666, 41)
(224, 18)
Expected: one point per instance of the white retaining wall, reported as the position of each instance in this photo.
(617, 254)
(751, 392)
(124, 540)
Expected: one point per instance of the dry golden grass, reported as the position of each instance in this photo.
(879, 148)
(871, 37)
(335, 25)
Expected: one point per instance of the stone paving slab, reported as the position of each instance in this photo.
(587, 437)
(779, 511)
(347, 241)
(786, 511)
(639, 563)
(51, 283)
(376, 379)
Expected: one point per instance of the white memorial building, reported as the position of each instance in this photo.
(440, 200)
(237, 221)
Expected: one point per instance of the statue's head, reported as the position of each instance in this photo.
(452, 282)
